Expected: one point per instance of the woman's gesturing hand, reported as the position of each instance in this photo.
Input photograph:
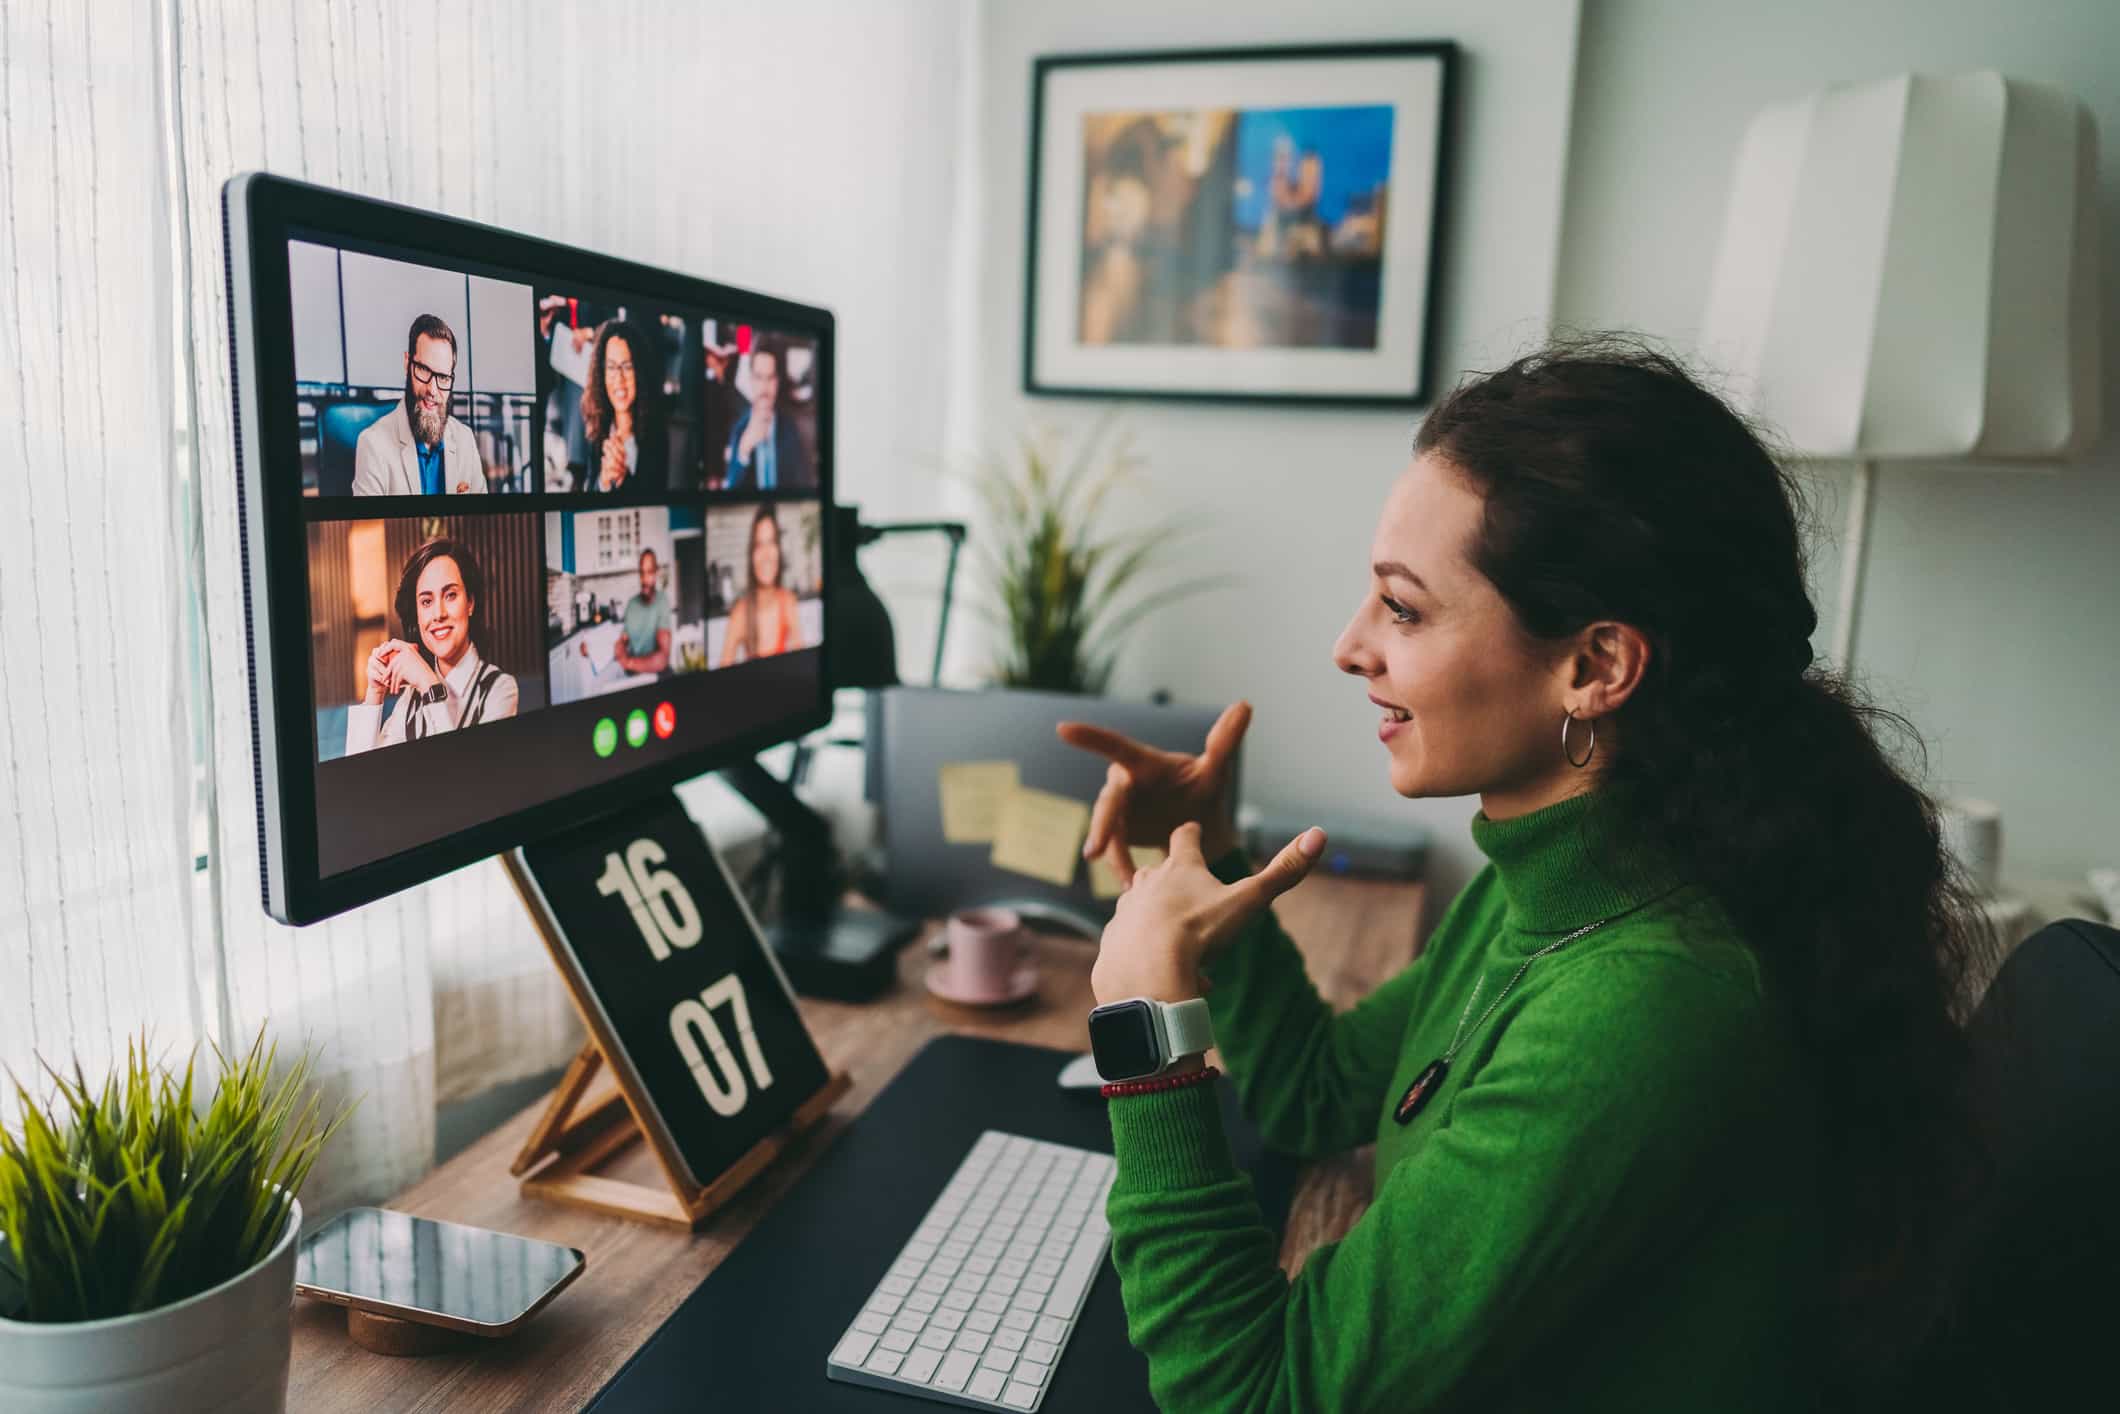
(1149, 793)
(1176, 913)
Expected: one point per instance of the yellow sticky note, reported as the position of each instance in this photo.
(1104, 880)
(972, 792)
(1040, 834)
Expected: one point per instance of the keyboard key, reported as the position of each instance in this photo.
(896, 1286)
(908, 1320)
(872, 1323)
(884, 1362)
(1051, 1329)
(1021, 1320)
(899, 1341)
(1008, 1340)
(947, 1320)
(934, 1339)
(997, 1359)
(1031, 1372)
(885, 1302)
(1022, 1396)
(919, 1367)
(1075, 1277)
(921, 1302)
(956, 1368)
(991, 1301)
(1044, 1352)
(985, 1385)
(982, 1321)
(971, 1342)
(854, 1347)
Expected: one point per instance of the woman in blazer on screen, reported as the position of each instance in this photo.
(440, 681)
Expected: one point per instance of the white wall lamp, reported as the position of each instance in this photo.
(1908, 272)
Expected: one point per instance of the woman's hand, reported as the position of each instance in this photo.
(613, 470)
(1176, 914)
(408, 668)
(1149, 793)
(379, 672)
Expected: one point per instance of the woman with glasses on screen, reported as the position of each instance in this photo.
(767, 619)
(623, 416)
(438, 679)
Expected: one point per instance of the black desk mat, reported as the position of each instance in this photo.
(755, 1334)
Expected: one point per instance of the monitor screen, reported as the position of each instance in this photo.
(528, 530)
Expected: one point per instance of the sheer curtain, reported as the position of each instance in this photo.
(808, 149)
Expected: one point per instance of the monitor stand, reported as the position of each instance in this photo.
(826, 948)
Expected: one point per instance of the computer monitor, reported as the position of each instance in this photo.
(527, 531)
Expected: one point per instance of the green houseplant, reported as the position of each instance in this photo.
(147, 1234)
(1063, 589)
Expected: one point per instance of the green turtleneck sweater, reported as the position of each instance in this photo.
(1609, 1202)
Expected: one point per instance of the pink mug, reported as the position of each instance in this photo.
(988, 949)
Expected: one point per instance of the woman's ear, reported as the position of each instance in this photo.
(1605, 667)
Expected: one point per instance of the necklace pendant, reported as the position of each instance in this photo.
(1421, 1090)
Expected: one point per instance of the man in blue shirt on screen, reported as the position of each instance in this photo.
(765, 449)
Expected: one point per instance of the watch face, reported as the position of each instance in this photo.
(1122, 1037)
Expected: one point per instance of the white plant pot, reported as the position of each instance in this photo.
(224, 1350)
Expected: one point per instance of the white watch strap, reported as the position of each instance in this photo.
(1188, 1027)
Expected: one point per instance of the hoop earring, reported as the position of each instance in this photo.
(1568, 719)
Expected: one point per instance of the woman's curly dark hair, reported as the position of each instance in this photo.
(1617, 487)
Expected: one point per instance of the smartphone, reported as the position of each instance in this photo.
(467, 1279)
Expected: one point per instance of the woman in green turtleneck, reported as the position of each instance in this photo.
(1669, 1114)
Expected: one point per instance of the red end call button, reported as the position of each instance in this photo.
(665, 719)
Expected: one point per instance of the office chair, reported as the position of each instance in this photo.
(2043, 1280)
(339, 427)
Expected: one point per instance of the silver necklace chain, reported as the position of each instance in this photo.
(1457, 1037)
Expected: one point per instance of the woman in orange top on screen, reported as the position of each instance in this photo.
(765, 620)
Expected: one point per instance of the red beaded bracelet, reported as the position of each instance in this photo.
(1160, 1082)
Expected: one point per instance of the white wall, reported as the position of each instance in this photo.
(1289, 497)
(1992, 600)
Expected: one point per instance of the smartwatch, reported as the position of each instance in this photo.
(1138, 1038)
(428, 698)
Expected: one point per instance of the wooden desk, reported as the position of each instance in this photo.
(1353, 934)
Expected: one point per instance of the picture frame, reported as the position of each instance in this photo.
(1255, 225)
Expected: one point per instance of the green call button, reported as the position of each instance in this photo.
(636, 727)
(605, 737)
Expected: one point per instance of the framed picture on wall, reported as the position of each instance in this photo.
(1238, 224)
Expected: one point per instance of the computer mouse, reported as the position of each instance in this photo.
(1080, 1074)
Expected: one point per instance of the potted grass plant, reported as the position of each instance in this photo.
(1062, 586)
(147, 1237)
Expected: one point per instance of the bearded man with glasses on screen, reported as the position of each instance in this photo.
(417, 448)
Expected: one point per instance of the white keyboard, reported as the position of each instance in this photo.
(981, 1300)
